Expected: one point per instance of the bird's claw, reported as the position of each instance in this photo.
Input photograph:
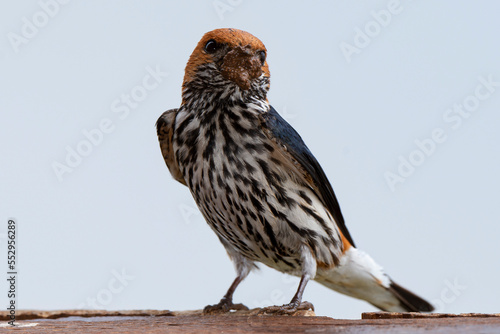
(224, 306)
(287, 309)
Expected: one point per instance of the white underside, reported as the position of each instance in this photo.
(357, 275)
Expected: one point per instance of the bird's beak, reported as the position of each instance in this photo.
(241, 66)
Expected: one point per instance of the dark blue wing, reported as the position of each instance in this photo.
(286, 135)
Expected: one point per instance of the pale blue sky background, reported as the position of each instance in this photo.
(118, 213)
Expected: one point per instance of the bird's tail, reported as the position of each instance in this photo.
(408, 300)
(357, 275)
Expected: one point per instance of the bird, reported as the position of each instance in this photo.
(258, 185)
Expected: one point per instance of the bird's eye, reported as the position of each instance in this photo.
(211, 46)
(262, 56)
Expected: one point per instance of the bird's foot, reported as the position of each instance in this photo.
(224, 306)
(287, 309)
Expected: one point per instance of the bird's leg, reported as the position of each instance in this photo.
(295, 304)
(243, 267)
(308, 272)
(226, 303)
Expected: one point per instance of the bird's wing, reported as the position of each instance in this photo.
(293, 147)
(165, 131)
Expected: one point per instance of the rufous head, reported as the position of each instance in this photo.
(237, 56)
